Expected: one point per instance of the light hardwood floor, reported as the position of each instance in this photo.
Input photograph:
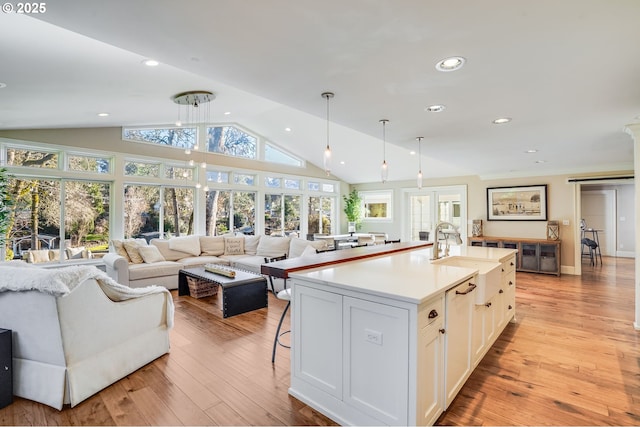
(572, 358)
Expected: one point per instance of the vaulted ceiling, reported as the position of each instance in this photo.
(566, 73)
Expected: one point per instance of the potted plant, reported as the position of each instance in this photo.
(5, 211)
(353, 210)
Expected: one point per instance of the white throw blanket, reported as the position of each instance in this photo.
(61, 281)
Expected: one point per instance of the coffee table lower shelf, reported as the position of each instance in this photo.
(246, 292)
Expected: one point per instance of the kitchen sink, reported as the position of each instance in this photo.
(489, 275)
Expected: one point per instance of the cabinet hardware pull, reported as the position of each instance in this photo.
(466, 291)
(501, 291)
(488, 304)
(502, 270)
(510, 307)
(511, 264)
(510, 283)
(433, 314)
(442, 331)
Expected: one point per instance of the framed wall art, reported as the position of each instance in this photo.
(522, 203)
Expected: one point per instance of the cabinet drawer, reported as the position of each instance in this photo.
(509, 265)
(430, 312)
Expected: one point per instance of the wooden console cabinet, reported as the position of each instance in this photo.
(534, 255)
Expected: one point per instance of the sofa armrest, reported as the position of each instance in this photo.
(117, 267)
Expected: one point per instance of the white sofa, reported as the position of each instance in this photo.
(70, 344)
(135, 263)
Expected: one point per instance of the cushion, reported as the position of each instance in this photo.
(168, 254)
(308, 251)
(212, 245)
(271, 246)
(298, 246)
(35, 256)
(234, 245)
(131, 246)
(118, 247)
(75, 253)
(187, 244)
(150, 254)
(251, 245)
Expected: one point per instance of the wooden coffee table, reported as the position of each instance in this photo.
(245, 292)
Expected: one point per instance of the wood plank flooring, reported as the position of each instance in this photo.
(572, 358)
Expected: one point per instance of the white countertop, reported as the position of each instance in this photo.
(408, 276)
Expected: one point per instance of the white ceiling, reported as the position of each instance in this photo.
(566, 71)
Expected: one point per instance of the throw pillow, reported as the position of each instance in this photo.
(212, 245)
(271, 246)
(187, 244)
(133, 251)
(234, 245)
(75, 253)
(251, 244)
(309, 251)
(299, 245)
(150, 254)
(118, 247)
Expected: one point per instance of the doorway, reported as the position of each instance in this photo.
(599, 212)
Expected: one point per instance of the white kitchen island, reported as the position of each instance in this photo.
(391, 340)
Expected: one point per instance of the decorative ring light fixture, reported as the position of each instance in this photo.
(195, 116)
(384, 168)
(327, 150)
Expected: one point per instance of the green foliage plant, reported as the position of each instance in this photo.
(353, 207)
(6, 203)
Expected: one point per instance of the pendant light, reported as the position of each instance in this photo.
(419, 177)
(384, 169)
(327, 150)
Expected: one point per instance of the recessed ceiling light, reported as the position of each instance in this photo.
(501, 120)
(342, 162)
(287, 129)
(531, 151)
(150, 62)
(413, 153)
(435, 108)
(226, 113)
(541, 161)
(450, 64)
(103, 114)
(2, 85)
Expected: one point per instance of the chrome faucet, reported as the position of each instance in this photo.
(436, 243)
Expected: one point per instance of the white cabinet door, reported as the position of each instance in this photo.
(430, 373)
(318, 350)
(376, 359)
(459, 313)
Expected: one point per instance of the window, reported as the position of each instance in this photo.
(138, 168)
(378, 205)
(40, 215)
(313, 186)
(217, 176)
(272, 182)
(328, 188)
(178, 172)
(230, 211)
(179, 137)
(292, 184)
(276, 155)
(83, 163)
(321, 212)
(231, 141)
(244, 179)
(178, 211)
(32, 158)
(141, 211)
(281, 214)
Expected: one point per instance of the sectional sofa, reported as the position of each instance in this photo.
(135, 263)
